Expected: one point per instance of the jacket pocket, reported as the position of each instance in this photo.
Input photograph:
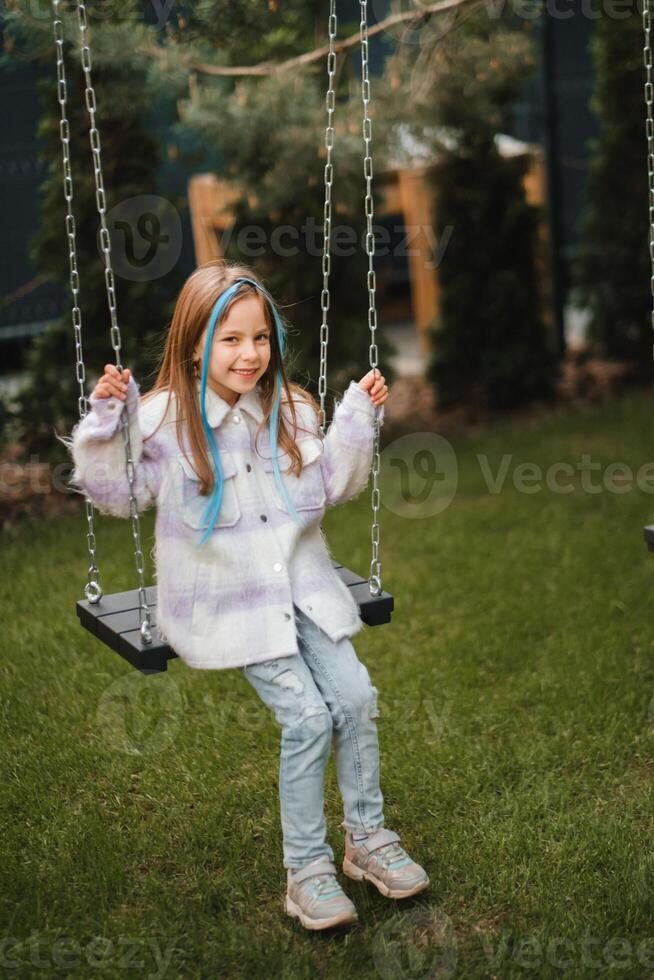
(194, 505)
(306, 491)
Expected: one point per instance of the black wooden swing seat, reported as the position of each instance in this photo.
(115, 620)
(648, 534)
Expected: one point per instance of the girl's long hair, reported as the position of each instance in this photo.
(191, 316)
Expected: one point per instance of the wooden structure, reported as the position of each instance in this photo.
(405, 192)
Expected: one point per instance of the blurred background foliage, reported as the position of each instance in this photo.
(453, 91)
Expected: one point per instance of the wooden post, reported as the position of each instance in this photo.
(416, 200)
(210, 201)
(535, 185)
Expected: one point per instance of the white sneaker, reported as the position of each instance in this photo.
(380, 859)
(315, 897)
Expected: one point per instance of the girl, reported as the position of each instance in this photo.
(233, 455)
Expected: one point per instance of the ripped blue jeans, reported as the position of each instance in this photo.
(322, 692)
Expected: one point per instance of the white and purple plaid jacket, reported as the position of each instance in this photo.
(230, 602)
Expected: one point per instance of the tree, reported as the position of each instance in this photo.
(130, 158)
(268, 134)
(614, 265)
(490, 344)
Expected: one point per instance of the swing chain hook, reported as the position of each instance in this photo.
(93, 589)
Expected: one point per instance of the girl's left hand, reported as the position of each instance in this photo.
(373, 383)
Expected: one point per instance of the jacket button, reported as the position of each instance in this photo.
(287, 615)
(236, 418)
(248, 467)
(263, 517)
(111, 405)
(308, 607)
(277, 567)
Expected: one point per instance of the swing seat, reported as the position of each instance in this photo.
(115, 620)
(648, 534)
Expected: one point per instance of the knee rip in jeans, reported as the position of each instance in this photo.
(358, 707)
(288, 679)
(374, 705)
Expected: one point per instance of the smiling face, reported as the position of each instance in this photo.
(240, 343)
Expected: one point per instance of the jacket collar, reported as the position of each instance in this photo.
(218, 408)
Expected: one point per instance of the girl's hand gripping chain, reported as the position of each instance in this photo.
(373, 383)
(112, 384)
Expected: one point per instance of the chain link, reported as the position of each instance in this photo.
(93, 589)
(649, 130)
(94, 138)
(374, 581)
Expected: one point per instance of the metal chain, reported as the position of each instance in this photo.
(327, 222)
(105, 242)
(93, 589)
(94, 136)
(374, 581)
(649, 129)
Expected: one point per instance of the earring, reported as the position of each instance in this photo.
(196, 369)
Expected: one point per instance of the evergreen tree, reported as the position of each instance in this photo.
(490, 345)
(614, 266)
(130, 158)
(270, 134)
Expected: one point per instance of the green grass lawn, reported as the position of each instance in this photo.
(516, 684)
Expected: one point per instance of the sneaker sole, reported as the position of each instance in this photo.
(344, 918)
(358, 874)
